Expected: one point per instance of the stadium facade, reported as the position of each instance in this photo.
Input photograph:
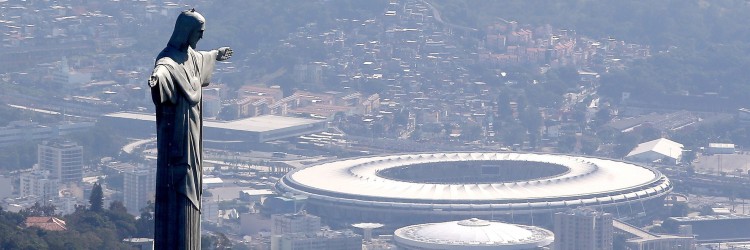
(406, 189)
(223, 134)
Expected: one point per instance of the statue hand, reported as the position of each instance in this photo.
(152, 81)
(224, 53)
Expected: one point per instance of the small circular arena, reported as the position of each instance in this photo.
(517, 187)
(472, 234)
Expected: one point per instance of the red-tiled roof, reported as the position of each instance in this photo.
(46, 223)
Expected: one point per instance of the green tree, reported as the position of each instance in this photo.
(96, 199)
(649, 133)
(218, 241)
(619, 242)
(145, 222)
(706, 210)
(471, 132)
(513, 134)
(566, 143)
(38, 210)
(607, 134)
(679, 209)
(688, 156)
(207, 242)
(626, 143)
(86, 230)
(531, 118)
(602, 116)
(503, 106)
(589, 144)
(117, 207)
(125, 223)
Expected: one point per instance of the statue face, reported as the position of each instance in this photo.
(195, 36)
(188, 30)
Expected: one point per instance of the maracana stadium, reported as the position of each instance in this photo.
(517, 187)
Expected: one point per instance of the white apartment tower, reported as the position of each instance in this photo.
(139, 185)
(295, 223)
(38, 183)
(63, 159)
(583, 229)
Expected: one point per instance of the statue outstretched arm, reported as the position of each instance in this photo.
(209, 58)
(224, 53)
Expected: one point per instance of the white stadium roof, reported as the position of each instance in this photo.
(662, 146)
(473, 234)
(587, 182)
(586, 176)
(253, 124)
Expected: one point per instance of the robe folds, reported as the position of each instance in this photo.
(176, 90)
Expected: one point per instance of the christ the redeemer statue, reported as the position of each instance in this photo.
(179, 75)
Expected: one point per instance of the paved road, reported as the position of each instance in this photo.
(436, 14)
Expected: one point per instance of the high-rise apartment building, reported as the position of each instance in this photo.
(294, 223)
(64, 160)
(139, 185)
(583, 229)
(39, 183)
(302, 231)
(321, 240)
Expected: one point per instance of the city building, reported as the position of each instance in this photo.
(64, 160)
(384, 242)
(321, 240)
(65, 203)
(367, 229)
(139, 185)
(472, 234)
(714, 228)
(295, 223)
(140, 243)
(583, 229)
(662, 242)
(209, 209)
(407, 189)
(287, 204)
(38, 183)
(69, 78)
(725, 246)
(255, 195)
(639, 239)
(252, 224)
(244, 132)
(46, 223)
(660, 150)
(720, 148)
(302, 231)
(20, 131)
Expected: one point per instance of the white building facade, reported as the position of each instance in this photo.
(64, 160)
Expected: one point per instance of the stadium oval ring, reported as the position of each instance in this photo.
(587, 181)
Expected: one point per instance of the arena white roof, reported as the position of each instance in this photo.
(586, 176)
(473, 234)
(662, 146)
(262, 123)
(252, 124)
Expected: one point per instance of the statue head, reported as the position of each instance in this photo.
(188, 29)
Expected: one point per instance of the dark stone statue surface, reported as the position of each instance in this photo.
(180, 73)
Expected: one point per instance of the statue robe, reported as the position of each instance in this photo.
(176, 87)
